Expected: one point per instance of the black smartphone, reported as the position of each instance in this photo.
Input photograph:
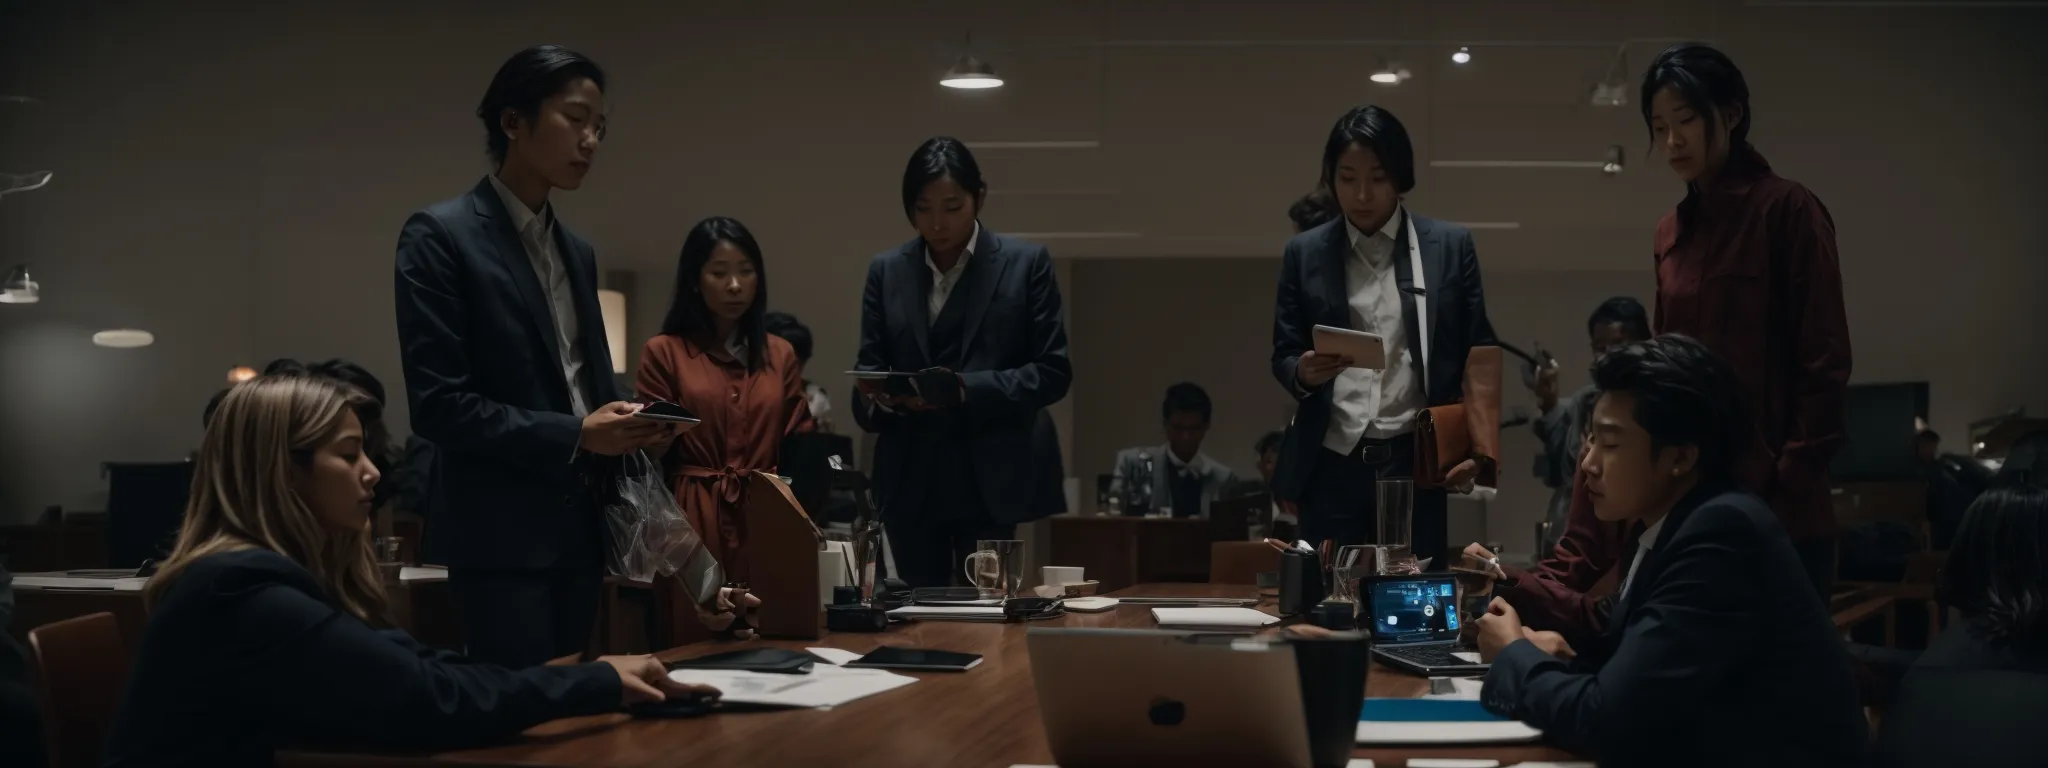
(663, 410)
(888, 657)
(690, 705)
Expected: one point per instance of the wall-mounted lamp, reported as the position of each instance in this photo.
(20, 288)
(240, 373)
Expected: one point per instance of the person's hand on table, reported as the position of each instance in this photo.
(1498, 629)
(1551, 642)
(613, 430)
(645, 680)
(1314, 370)
(729, 602)
(1460, 479)
(1303, 631)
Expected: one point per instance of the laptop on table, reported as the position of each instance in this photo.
(1415, 624)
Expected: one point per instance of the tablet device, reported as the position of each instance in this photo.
(1366, 350)
(894, 383)
(888, 657)
(665, 411)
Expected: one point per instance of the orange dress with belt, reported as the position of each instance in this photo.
(746, 414)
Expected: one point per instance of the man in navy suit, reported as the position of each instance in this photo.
(1378, 268)
(1718, 651)
(508, 372)
(981, 311)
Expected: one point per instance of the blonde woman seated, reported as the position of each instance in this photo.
(266, 625)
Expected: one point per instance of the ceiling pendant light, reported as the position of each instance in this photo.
(1614, 160)
(1462, 56)
(970, 73)
(124, 338)
(1390, 73)
(19, 288)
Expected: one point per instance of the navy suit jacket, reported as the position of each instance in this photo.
(1719, 653)
(1015, 363)
(1313, 292)
(484, 377)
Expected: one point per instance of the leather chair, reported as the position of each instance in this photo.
(81, 671)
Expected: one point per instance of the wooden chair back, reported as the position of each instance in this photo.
(81, 669)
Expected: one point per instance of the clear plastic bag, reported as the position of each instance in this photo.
(650, 537)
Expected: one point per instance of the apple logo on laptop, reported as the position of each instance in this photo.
(1166, 711)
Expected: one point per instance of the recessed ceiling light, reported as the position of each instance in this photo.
(1462, 56)
(124, 338)
(1390, 74)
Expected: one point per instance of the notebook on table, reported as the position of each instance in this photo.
(1225, 619)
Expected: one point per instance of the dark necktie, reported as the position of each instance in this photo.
(1187, 494)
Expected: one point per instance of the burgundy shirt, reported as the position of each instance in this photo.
(1748, 267)
(1559, 595)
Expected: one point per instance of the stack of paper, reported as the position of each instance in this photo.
(1212, 618)
(825, 686)
(1437, 721)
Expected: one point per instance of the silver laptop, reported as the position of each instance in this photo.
(1120, 697)
(1414, 623)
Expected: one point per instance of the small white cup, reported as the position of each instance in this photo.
(1061, 575)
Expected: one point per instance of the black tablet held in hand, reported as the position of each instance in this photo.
(914, 658)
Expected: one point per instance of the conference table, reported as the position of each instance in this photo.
(987, 716)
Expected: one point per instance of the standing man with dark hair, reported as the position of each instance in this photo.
(1747, 264)
(979, 314)
(507, 368)
(1562, 425)
(792, 330)
(1716, 652)
(1177, 474)
(1412, 280)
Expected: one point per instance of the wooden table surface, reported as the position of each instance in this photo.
(987, 716)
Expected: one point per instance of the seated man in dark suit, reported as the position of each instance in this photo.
(1717, 652)
(1976, 696)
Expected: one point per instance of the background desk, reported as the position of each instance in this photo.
(1123, 551)
(985, 717)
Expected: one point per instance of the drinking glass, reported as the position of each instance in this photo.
(1396, 509)
(1348, 565)
(996, 568)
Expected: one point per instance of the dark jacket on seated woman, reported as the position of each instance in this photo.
(245, 654)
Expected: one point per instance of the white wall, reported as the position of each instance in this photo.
(232, 178)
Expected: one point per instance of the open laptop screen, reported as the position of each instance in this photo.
(1412, 609)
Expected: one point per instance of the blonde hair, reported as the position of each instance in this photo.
(242, 495)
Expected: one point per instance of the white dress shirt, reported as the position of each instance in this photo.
(943, 280)
(1377, 404)
(1644, 544)
(537, 233)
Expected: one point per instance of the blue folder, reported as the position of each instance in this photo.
(1425, 711)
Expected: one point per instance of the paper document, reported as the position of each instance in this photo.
(825, 686)
(32, 581)
(832, 655)
(1191, 602)
(1437, 720)
(1212, 618)
(1366, 350)
(1356, 762)
(1462, 688)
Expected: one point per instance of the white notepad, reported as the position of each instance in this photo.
(1212, 618)
(1366, 350)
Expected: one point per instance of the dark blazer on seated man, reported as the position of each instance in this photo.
(485, 374)
(1716, 653)
(262, 650)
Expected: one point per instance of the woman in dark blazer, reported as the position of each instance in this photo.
(1359, 271)
(267, 625)
(1977, 695)
(957, 463)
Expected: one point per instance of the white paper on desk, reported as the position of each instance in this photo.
(833, 655)
(1462, 688)
(1356, 762)
(1548, 764)
(1472, 732)
(825, 686)
(129, 584)
(1366, 350)
(1212, 618)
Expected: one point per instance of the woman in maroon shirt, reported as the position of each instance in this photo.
(715, 358)
(1746, 264)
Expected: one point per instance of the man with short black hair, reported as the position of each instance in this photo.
(1180, 475)
(508, 371)
(798, 335)
(1562, 425)
(1717, 651)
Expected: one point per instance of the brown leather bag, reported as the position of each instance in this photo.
(1469, 429)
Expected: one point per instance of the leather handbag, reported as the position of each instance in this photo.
(1469, 429)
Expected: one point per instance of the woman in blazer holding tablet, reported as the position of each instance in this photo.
(1360, 272)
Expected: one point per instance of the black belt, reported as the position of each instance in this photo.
(1377, 450)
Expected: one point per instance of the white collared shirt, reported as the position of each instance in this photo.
(537, 233)
(943, 280)
(1643, 545)
(1377, 404)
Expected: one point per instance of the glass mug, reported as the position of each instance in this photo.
(996, 567)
